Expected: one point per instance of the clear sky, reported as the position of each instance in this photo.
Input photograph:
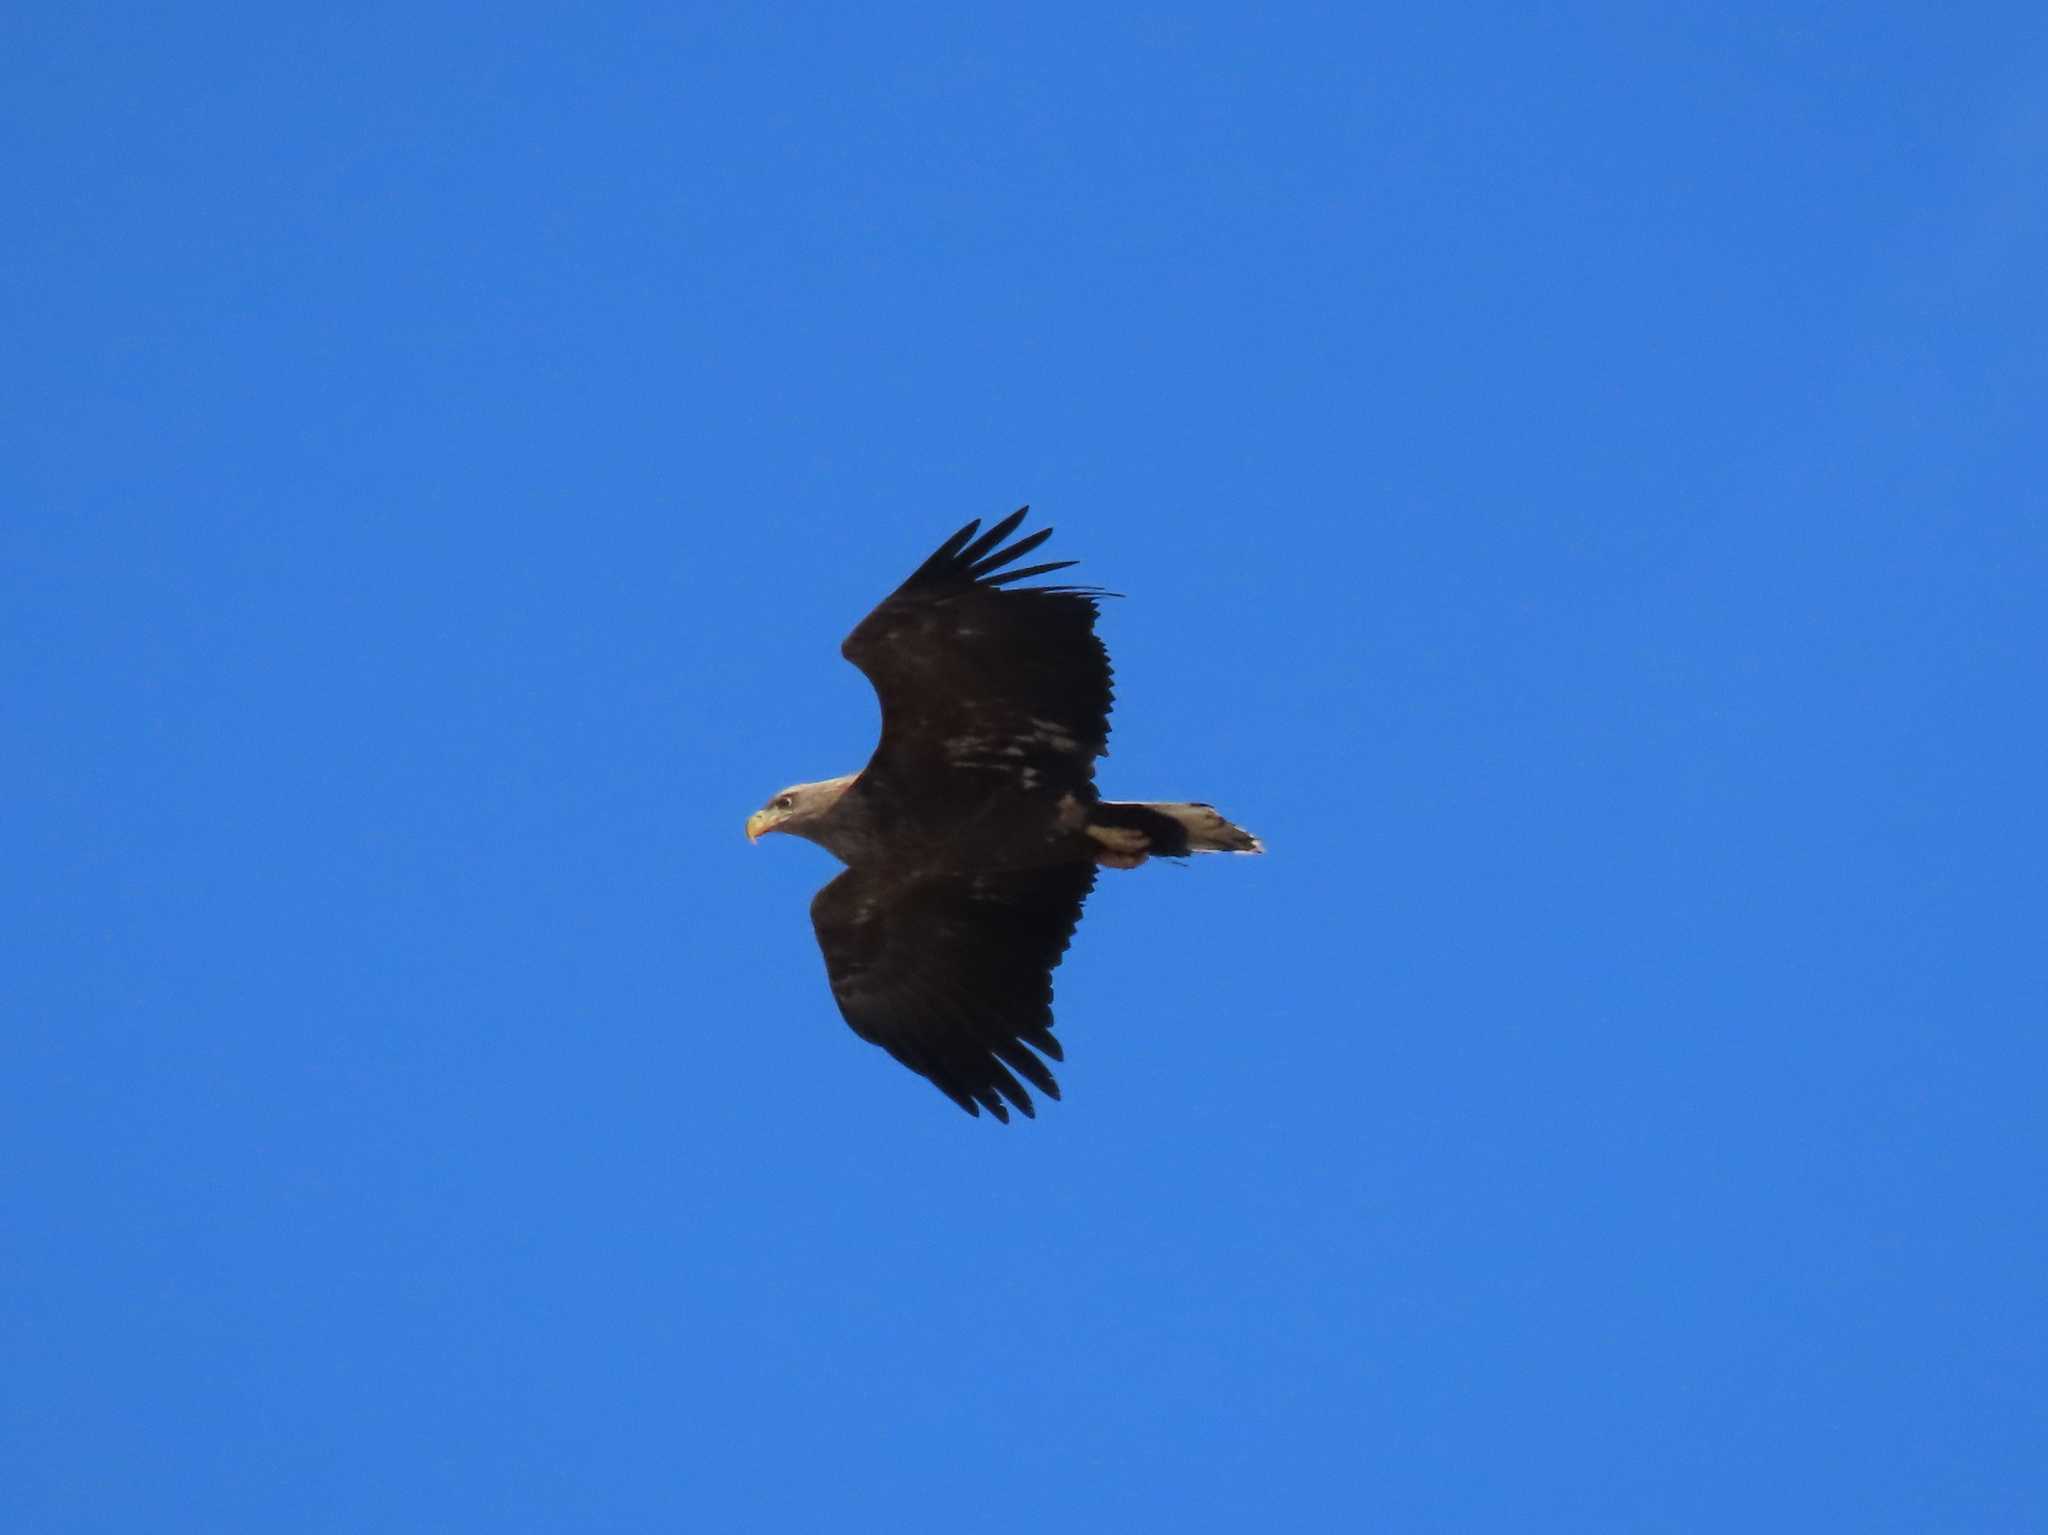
(1577, 477)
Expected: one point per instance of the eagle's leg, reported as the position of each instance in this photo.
(1122, 847)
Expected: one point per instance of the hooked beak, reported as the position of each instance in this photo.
(757, 823)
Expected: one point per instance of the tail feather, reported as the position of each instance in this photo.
(1133, 830)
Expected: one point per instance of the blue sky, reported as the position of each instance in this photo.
(1577, 481)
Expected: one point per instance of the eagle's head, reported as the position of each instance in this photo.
(798, 808)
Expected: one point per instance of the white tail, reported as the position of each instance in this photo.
(1136, 827)
(1208, 832)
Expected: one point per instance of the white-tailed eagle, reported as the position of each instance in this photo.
(972, 837)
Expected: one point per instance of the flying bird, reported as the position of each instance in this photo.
(974, 834)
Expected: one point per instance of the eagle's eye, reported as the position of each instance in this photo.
(783, 802)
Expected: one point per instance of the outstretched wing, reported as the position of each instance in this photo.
(983, 685)
(952, 974)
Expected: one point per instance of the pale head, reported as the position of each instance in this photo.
(798, 808)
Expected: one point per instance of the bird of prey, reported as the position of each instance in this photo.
(973, 835)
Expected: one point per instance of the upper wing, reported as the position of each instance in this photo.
(980, 683)
(952, 974)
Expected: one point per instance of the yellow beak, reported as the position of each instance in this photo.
(757, 823)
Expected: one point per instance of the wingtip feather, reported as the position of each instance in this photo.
(982, 568)
(1027, 572)
(993, 537)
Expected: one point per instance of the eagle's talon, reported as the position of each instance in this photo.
(1114, 860)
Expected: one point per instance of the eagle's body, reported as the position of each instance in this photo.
(973, 835)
